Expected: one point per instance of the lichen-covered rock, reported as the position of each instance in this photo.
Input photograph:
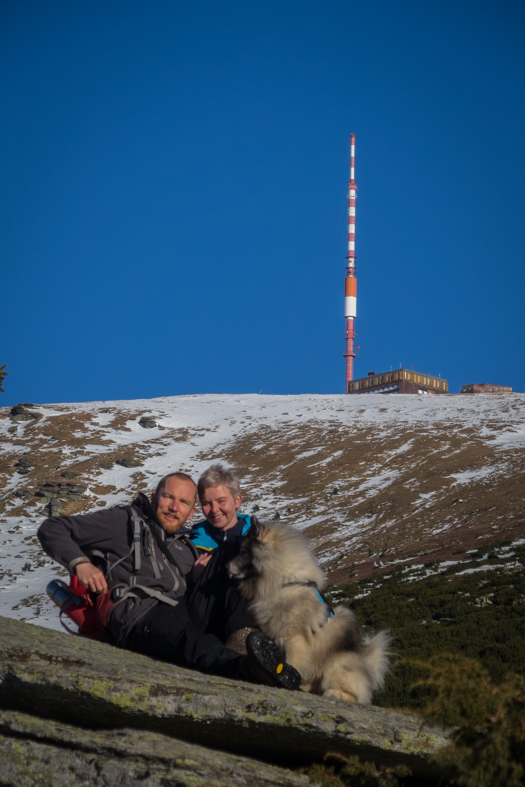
(38, 752)
(80, 681)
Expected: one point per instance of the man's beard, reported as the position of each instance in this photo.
(169, 525)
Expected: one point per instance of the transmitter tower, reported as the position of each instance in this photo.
(350, 281)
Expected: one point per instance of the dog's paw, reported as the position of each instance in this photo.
(340, 695)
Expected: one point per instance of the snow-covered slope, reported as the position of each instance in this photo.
(370, 479)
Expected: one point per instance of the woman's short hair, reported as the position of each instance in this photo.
(218, 475)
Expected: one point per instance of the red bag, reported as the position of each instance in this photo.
(88, 611)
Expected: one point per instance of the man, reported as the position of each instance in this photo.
(215, 597)
(142, 555)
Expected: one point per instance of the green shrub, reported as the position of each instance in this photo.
(488, 748)
(478, 615)
(459, 643)
(339, 771)
(488, 732)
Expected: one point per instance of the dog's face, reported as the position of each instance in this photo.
(241, 567)
(245, 564)
(265, 559)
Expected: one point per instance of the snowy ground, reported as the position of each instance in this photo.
(365, 477)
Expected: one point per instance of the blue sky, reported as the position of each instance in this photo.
(174, 180)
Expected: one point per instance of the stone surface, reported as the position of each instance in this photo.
(147, 422)
(53, 508)
(19, 413)
(128, 463)
(21, 493)
(78, 681)
(36, 751)
(21, 417)
(18, 409)
(24, 461)
(60, 491)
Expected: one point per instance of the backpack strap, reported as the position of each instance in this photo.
(100, 556)
(164, 549)
(123, 592)
(133, 550)
(148, 548)
(136, 522)
(139, 525)
(153, 557)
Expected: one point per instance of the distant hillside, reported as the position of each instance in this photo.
(373, 481)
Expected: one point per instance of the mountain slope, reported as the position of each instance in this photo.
(370, 479)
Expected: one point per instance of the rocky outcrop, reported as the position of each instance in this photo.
(36, 751)
(147, 422)
(57, 494)
(24, 465)
(20, 413)
(128, 462)
(77, 681)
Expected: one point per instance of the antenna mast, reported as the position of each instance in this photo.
(350, 281)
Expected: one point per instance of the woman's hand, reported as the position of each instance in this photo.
(203, 559)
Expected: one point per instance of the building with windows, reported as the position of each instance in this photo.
(404, 381)
(485, 388)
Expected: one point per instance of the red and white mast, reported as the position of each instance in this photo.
(350, 281)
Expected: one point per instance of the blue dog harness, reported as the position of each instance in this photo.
(321, 596)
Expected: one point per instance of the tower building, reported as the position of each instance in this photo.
(351, 281)
(400, 380)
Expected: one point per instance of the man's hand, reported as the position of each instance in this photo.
(91, 577)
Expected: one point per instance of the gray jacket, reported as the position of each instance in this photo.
(121, 542)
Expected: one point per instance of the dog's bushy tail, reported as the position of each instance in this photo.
(377, 655)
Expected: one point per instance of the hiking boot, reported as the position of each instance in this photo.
(237, 640)
(265, 663)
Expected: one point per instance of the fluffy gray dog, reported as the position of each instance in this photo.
(279, 576)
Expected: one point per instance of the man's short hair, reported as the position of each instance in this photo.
(163, 481)
(218, 475)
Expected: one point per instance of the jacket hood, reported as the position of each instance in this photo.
(143, 503)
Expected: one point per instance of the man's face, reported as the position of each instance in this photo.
(219, 507)
(175, 504)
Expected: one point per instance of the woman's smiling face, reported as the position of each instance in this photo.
(219, 507)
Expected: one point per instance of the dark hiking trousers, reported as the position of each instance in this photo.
(215, 601)
(168, 634)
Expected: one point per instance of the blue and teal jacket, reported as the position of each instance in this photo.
(207, 538)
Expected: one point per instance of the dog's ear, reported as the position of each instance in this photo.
(256, 528)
